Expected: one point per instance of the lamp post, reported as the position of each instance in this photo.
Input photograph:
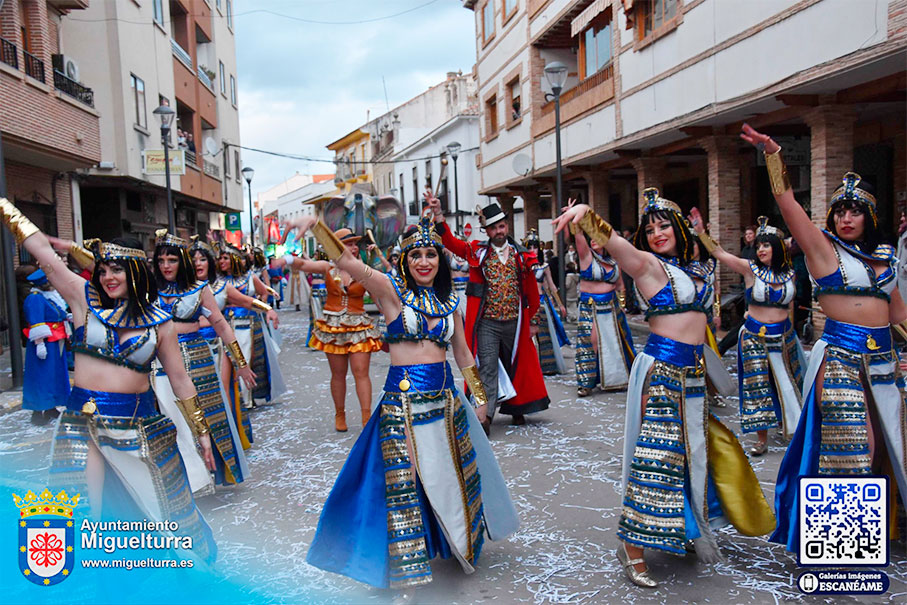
(165, 114)
(247, 174)
(556, 74)
(454, 150)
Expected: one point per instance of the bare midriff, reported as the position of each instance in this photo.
(687, 327)
(858, 310)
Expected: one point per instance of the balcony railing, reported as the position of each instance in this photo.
(34, 66)
(190, 158)
(203, 77)
(180, 53)
(586, 85)
(73, 88)
(211, 169)
(8, 53)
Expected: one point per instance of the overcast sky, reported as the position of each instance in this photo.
(303, 85)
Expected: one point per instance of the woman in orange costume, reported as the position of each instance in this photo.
(346, 333)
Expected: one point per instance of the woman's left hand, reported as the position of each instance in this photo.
(572, 213)
(247, 375)
(696, 220)
(271, 316)
(204, 442)
(482, 412)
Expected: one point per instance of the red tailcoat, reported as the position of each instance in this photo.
(525, 371)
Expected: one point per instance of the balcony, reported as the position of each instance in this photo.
(180, 53)
(34, 67)
(205, 79)
(211, 169)
(9, 53)
(69, 86)
(595, 90)
(191, 159)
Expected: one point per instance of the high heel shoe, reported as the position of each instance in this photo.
(759, 449)
(640, 578)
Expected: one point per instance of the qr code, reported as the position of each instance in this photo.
(843, 521)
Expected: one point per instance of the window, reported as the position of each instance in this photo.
(138, 92)
(488, 21)
(491, 117)
(652, 14)
(595, 46)
(514, 89)
(402, 190)
(221, 74)
(237, 165)
(233, 90)
(229, 14)
(509, 8)
(158, 8)
(414, 206)
(428, 183)
(218, 4)
(227, 163)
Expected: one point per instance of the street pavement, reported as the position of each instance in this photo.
(563, 470)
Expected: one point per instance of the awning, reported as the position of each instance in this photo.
(582, 21)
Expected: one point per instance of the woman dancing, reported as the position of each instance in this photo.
(684, 473)
(604, 345)
(112, 445)
(346, 334)
(770, 359)
(550, 334)
(421, 480)
(853, 399)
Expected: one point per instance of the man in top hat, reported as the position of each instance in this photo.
(501, 299)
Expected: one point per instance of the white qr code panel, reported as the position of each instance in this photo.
(843, 521)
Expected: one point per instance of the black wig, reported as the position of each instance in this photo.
(443, 283)
(682, 234)
(872, 234)
(140, 285)
(780, 256)
(185, 275)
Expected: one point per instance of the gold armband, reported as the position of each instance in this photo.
(716, 309)
(471, 374)
(82, 256)
(194, 415)
(332, 245)
(596, 228)
(272, 292)
(622, 300)
(901, 329)
(557, 299)
(259, 305)
(777, 172)
(235, 353)
(17, 222)
(708, 241)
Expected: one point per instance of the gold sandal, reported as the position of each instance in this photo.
(759, 449)
(640, 578)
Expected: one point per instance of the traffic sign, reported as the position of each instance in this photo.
(467, 230)
(233, 221)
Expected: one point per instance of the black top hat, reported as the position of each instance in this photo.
(490, 215)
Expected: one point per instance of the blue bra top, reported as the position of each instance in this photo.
(770, 289)
(186, 306)
(855, 275)
(602, 268)
(99, 336)
(680, 294)
(418, 305)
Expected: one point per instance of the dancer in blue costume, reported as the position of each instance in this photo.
(112, 445)
(46, 383)
(684, 473)
(853, 399)
(421, 480)
(547, 327)
(604, 345)
(770, 359)
(269, 384)
(187, 299)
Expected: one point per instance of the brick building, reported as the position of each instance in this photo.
(657, 91)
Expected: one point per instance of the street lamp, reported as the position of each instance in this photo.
(166, 114)
(454, 150)
(556, 74)
(247, 174)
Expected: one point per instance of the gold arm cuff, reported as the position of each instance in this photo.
(471, 375)
(194, 415)
(235, 353)
(901, 329)
(83, 257)
(708, 241)
(716, 309)
(557, 298)
(272, 292)
(332, 245)
(17, 222)
(777, 172)
(259, 305)
(596, 227)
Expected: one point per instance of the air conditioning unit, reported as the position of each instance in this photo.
(67, 66)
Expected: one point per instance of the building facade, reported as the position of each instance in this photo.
(657, 91)
(179, 53)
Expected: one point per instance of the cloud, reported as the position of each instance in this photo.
(302, 86)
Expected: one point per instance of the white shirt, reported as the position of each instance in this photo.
(503, 252)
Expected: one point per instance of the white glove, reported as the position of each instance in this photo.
(41, 350)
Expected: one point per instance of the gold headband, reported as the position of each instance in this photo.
(104, 252)
(765, 229)
(203, 245)
(162, 237)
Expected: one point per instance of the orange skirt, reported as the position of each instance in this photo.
(345, 333)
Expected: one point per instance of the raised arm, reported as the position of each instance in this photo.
(70, 286)
(222, 328)
(450, 241)
(820, 254)
(734, 263)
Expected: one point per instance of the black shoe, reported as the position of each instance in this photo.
(297, 308)
(518, 420)
(486, 426)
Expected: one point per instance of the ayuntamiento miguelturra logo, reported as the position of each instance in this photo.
(46, 536)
